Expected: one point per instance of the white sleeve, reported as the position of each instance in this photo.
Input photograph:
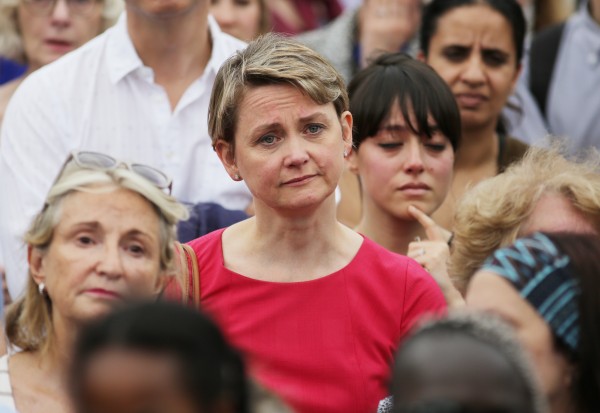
(32, 150)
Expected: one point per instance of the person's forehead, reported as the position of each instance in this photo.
(556, 213)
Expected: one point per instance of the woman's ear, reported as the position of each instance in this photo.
(35, 257)
(346, 121)
(352, 160)
(226, 153)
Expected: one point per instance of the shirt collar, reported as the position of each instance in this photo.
(122, 58)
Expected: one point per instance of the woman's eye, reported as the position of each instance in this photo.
(436, 147)
(495, 58)
(136, 249)
(390, 145)
(85, 240)
(455, 53)
(314, 129)
(267, 140)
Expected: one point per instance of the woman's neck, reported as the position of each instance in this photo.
(294, 245)
(477, 148)
(388, 231)
(296, 230)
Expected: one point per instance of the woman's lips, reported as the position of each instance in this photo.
(102, 293)
(415, 189)
(470, 100)
(59, 46)
(299, 180)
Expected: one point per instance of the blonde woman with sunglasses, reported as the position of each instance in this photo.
(104, 236)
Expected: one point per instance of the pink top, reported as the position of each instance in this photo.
(323, 345)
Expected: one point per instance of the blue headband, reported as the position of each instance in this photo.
(543, 276)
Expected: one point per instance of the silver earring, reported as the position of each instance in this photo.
(42, 288)
(345, 153)
(237, 177)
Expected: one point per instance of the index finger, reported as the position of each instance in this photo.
(432, 229)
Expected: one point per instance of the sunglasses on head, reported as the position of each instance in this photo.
(103, 162)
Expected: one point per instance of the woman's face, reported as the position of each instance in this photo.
(489, 292)
(105, 250)
(398, 168)
(146, 382)
(288, 149)
(474, 52)
(51, 30)
(239, 18)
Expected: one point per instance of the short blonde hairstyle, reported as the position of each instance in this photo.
(28, 320)
(268, 60)
(491, 214)
(11, 44)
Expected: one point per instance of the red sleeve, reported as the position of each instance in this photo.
(422, 297)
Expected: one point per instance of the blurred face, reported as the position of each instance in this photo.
(489, 292)
(473, 51)
(158, 10)
(105, 250)
(239, 18)
(288, 149)
(461, 369)
(129, 381)
(398, 168)
(49, 30)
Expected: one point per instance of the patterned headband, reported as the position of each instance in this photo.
(543, 276)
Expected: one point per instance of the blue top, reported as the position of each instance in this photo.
(10, 70)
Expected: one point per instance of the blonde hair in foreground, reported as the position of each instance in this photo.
(28, 320)
(271, 59)
(491, 214)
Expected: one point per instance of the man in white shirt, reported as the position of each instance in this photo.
(139, 92)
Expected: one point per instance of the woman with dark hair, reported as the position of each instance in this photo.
(546, 286)
(407, 130)
(157, 357)
(476, 46)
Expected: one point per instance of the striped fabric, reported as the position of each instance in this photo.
(543, 276)
(7, 402)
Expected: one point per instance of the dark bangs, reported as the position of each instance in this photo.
(414, 85)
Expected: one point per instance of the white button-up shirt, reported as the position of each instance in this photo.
(102, 98)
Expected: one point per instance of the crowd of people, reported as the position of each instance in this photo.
(307, 206)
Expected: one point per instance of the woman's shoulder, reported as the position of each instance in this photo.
(208, 241)
(511, 150)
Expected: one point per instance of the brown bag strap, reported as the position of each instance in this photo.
(188, 293)
(193, 276)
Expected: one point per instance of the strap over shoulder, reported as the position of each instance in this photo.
(185, 288)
